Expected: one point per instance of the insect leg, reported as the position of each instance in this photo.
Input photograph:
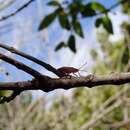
(79, 74)
(75, 75)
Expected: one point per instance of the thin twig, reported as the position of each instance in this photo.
(115, 5)
(17, 11)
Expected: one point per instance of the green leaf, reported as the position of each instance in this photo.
(91, 8)
(63, 20)
(71, 43)
(78, 28)
(59, 46)
(54, 3)
(97, 6)
(74, 8)
(98, 22)
(106, 22)
(47, 20)
(87, 10)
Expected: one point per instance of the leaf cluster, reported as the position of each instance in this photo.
(69, 15)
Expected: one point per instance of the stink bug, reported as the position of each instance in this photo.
(66, 71)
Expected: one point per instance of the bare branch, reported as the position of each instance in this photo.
(48, 84)
(115, 5)
(20, 66)
(17, 11)
(45, 65)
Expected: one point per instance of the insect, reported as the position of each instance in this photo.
(66, 71)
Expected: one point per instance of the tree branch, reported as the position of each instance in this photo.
(21, 66)
(45, 65)
(115, 5)
(17, 11)
(49, 84)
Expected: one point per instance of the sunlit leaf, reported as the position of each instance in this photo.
(97, 6)
(106, 22)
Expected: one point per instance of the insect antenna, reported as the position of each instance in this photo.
(83, 70)
(80, 69)
(82, 66)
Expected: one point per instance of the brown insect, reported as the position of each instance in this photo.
(66, 71)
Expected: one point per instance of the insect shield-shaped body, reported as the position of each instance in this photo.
(66, 71)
